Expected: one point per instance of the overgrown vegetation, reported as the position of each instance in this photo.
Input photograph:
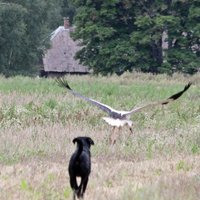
(149, 36)
(38, 121)
(25, 28)
(117, 35)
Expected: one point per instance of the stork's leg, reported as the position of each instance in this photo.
(131, 131)
(114, 135)
(118, 133)
(112, 138)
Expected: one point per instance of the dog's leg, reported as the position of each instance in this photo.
(74, 186)
(73, 182)
(84, 186)
(74, 195)
(79, 191)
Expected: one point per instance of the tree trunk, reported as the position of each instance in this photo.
(156, 54)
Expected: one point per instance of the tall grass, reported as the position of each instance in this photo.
(38, 121)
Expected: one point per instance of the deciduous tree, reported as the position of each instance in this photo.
(121, 35)
(24, 30)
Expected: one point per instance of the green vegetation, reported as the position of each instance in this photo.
(127, 35)
(25, 28)
(38, 121)
(117, 35)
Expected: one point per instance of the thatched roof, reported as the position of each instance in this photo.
(60, 57)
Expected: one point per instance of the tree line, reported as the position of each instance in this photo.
(116, 35)
(25, 27)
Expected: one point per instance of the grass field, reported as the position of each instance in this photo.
(38, 121)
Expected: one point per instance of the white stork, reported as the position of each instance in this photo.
(119, 118)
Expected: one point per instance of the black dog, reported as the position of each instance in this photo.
(80, 165)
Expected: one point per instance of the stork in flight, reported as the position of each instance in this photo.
(120, 118)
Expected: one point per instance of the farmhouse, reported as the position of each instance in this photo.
(59, 59)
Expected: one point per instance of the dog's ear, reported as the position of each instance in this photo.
(90, 141)
(76, 140)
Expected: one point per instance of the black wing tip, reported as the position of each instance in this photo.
(188, 85)
(63, 83)
(177, 95)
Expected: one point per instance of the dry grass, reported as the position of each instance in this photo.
(38, 121)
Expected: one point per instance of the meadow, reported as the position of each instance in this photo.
(38, 121)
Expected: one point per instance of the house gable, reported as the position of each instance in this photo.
(60, 57)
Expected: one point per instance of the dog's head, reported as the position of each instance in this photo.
(85, 141)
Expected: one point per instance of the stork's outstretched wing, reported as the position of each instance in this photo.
(164, 102)
(63, 83)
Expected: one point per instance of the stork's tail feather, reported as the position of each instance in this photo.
(63, 83)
